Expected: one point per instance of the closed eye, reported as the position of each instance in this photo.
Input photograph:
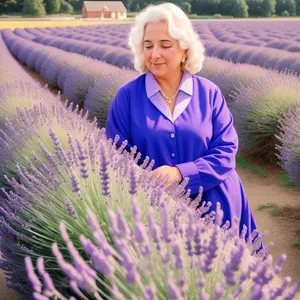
(165, 47)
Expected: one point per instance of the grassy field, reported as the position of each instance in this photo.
(12, 24)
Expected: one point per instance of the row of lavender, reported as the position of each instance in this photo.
(282, 35)
(248, 51)
(258, 98)
(279, 35)
(145, 239)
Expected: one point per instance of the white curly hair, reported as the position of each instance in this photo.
(179, 28)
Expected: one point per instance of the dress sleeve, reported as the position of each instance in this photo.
(214, 167)
(118, 118)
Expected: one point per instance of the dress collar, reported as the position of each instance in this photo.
(152, 86)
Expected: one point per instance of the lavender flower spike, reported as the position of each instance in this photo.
(36, 284)
(49, 288)
(70, 208)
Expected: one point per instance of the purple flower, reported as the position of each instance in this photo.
(176, 252)
(123, 227)
(166, 228)
(101, 262)
(48, 283)
(74, 182)
(70, 208)
(149, 292)
(36, 284)
(173, 290)
(233, 265)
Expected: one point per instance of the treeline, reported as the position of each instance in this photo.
(236, 8)
(39, 7)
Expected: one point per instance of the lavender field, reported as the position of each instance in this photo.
(105, 227)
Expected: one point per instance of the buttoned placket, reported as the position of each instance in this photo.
(174, 144)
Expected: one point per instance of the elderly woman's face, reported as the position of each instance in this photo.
(162, 53)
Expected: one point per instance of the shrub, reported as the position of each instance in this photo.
(212, 66)
(17, 95)
(66, 7)
(28, 131)
(33, 8)
(289, 144)
(235, 75)
(101, 94)
(285, 13)
(78, 81)
(156, 261)
(217, 16)
(7, 64)
(257, 109)
(61, 183)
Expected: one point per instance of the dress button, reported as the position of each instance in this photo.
(172, 135)
(173, 154)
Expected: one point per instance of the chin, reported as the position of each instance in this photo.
(158, 72)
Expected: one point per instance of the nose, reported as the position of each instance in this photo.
(156, 53)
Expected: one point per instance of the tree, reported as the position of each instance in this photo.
(288, 5)
(298, 7)
(236, 8)
(134, 6)
(263, 8)
(254, 7)
(206, 7)
(4, 4)
(142, 4)
(33, 8)
(268, 8)
(186, 7)
(52, 6)
(65, 7)
(11, 6)
(126, 3)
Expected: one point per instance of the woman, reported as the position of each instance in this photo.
(176, 118)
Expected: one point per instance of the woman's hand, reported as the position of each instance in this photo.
(173, 172)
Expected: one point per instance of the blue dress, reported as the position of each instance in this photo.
(199, 138)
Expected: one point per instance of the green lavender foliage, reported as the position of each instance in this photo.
(257, 108)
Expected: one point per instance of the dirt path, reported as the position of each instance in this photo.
(281, 229)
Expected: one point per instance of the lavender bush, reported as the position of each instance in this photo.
(31, 57)
(235, 75)
(23, 33)
(24, 52)
(34, 31)
(212, 66)
(78, 81)
(102, 92)
(257, 109)
(7, 63)
(159, 261)
(60, 185)
(15, 46)
(64, 65)
(28, 131)
(18, 95)
(289, 139)
(17, 89)
(46, 52)
(52, 65)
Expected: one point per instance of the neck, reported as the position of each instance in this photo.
(170, 84)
